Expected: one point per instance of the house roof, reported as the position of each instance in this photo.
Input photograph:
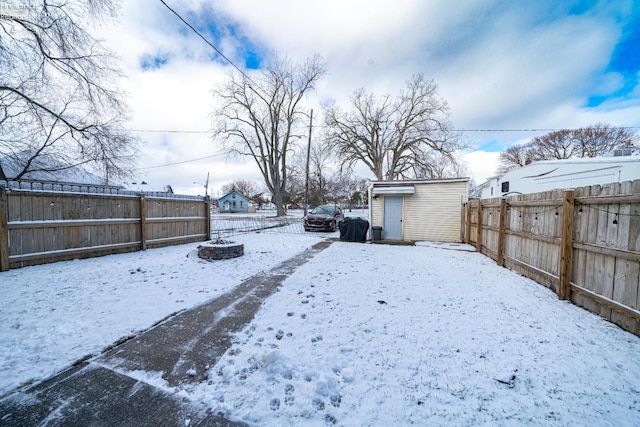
(577, 161)
(48, 170)
(236, 192)
(416, 181)
(611, 159)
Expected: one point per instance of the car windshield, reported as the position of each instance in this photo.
(322, 210)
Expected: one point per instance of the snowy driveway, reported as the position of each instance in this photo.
(361, 335)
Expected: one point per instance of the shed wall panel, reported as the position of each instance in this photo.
(377, 212)
(433, 212)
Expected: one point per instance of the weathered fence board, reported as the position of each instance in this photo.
(583, 244)
(40, 226)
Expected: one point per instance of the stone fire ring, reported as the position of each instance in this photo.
(217, 250)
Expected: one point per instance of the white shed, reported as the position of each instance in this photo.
(419, 210)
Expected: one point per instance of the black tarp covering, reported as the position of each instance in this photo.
(353, 229)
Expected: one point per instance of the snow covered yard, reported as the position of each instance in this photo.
(361, 335)
(55, 314)
(390, 335)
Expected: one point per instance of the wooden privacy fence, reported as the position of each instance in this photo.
(583, 244)
(39, 226)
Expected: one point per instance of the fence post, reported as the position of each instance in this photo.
(463, 208)
(143, 222)
(566, 246)
(4, 231)
(501, 232)
(479, 228)
(207, 202)
(467, 228)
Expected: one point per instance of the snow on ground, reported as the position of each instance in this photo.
(361, 335)
(394, 335)
(55, 314)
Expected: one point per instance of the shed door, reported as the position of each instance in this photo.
(392, 228)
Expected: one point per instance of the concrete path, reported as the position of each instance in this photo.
(99, 392)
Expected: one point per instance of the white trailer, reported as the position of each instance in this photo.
(562, 174)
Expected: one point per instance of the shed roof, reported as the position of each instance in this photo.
(417, 181)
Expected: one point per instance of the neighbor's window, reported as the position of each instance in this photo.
(505, 187)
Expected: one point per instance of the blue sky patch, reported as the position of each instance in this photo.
(153, 62)
(252, 60)
(625, 60)
(222, 31)
(492, 146)
(581, 7)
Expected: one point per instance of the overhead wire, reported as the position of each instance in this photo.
(246, 76)
(203, 132)
(199, 34)
(222, 55)
(172, 131)
(532, 130)
(182, 162)
(320, 126)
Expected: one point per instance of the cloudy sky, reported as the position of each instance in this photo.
(510, 70)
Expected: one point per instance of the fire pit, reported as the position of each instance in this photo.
(220, 249)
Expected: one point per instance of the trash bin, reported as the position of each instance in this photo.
(353, 229)
(377, 232)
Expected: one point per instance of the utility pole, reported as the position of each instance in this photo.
(206, 185)
(306, 185)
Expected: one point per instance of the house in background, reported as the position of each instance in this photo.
(550, 175)
(150, 188)
(48, 173)
(44, 168)
(419, 210)
(233, 202)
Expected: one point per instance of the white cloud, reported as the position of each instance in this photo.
(500, 66)
(481, 164)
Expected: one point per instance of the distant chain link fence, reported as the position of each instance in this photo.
(224, 226)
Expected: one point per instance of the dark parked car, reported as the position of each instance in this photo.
(323, 218)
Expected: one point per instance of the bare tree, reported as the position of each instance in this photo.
(393, 136)
(475, 192)
(441, 166)
(59, 106)
(245, 187)
(600, 139)
(249, 189)
(554, 145)
(322, 173)
(257, 117)
(514, 156)
(294, 193)
(353, 191)
(592, 141)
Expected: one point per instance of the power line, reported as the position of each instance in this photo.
(183, 162)
(504, 130)
(172, 131)
(532, 130)
(322, 126)
(209, 43)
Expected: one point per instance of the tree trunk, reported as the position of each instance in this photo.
(277, 200)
